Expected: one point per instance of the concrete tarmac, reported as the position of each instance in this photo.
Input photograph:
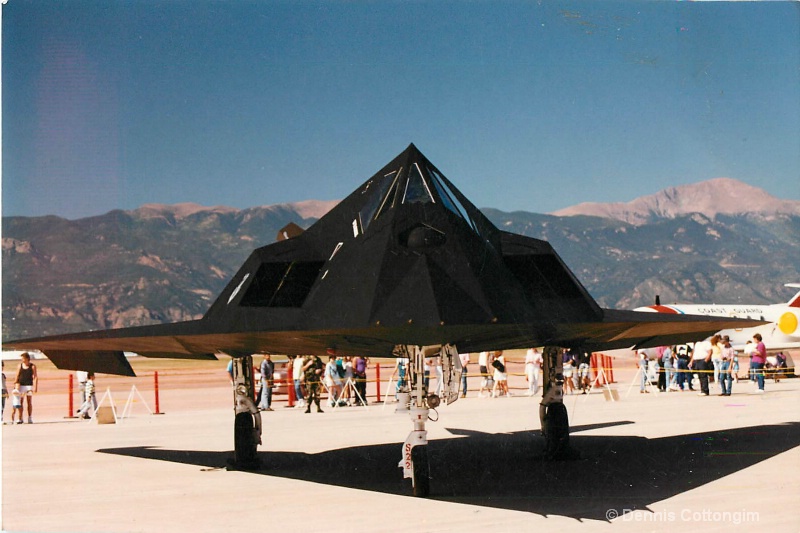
(648, 462)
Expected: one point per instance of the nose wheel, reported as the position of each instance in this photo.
(244, 442)
(421, 477)
(416, 399)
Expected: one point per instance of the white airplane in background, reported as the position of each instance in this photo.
(782, 332)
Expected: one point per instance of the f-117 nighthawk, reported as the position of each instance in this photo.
(404, 266)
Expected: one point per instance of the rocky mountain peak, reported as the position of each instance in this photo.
(713, 197)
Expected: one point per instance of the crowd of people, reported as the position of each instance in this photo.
(576, 367)
(711, 361)
(345, 378)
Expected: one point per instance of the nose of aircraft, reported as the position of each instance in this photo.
(422, 237)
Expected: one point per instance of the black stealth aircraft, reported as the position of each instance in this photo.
(404, 266)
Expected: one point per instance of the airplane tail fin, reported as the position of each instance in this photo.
(795, 301)
(288, 231)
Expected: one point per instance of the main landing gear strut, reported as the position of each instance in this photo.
(552, 412)
(247, 421)
(415, 398)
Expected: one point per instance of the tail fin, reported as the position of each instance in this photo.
(795, 301)
(288, 231)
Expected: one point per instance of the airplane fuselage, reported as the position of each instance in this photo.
(781, 333)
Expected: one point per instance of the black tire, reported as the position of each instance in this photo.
(422, 480)
(556, 432)
(244, 443)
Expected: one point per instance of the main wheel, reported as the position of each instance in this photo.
(244, 443)
(556, 430)
(422, 481)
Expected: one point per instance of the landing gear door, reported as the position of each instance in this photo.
(451, 371)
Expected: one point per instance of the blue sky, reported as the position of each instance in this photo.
(523, 105)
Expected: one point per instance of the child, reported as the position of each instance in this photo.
(16, 406)
(91, 399)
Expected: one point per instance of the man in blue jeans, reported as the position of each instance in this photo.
(464, 357)
(267, 374)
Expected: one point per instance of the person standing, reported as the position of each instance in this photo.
(533, 364)
(500, 374)
(683, 378)
(16, 406)
(267, 380)
(333, 381)
(437, 367)
(584, 362)
(27, 383)
(82, 376)
(464, 358)
(726, 366)
(349, 383)
(758, 358)
(360, 371)
(297, 379)
(662, 377)
(701, 363)
(669, 374)
(400, 366)
(487, 382)
(716, 356)
(90, 397)
(642, 370)
(312, 369)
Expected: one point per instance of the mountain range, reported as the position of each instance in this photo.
(718, 241)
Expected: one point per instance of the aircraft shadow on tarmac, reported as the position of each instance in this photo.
(506, 470)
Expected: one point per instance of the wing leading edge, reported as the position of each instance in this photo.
(618, 329)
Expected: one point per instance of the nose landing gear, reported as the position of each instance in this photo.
(414, 461)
